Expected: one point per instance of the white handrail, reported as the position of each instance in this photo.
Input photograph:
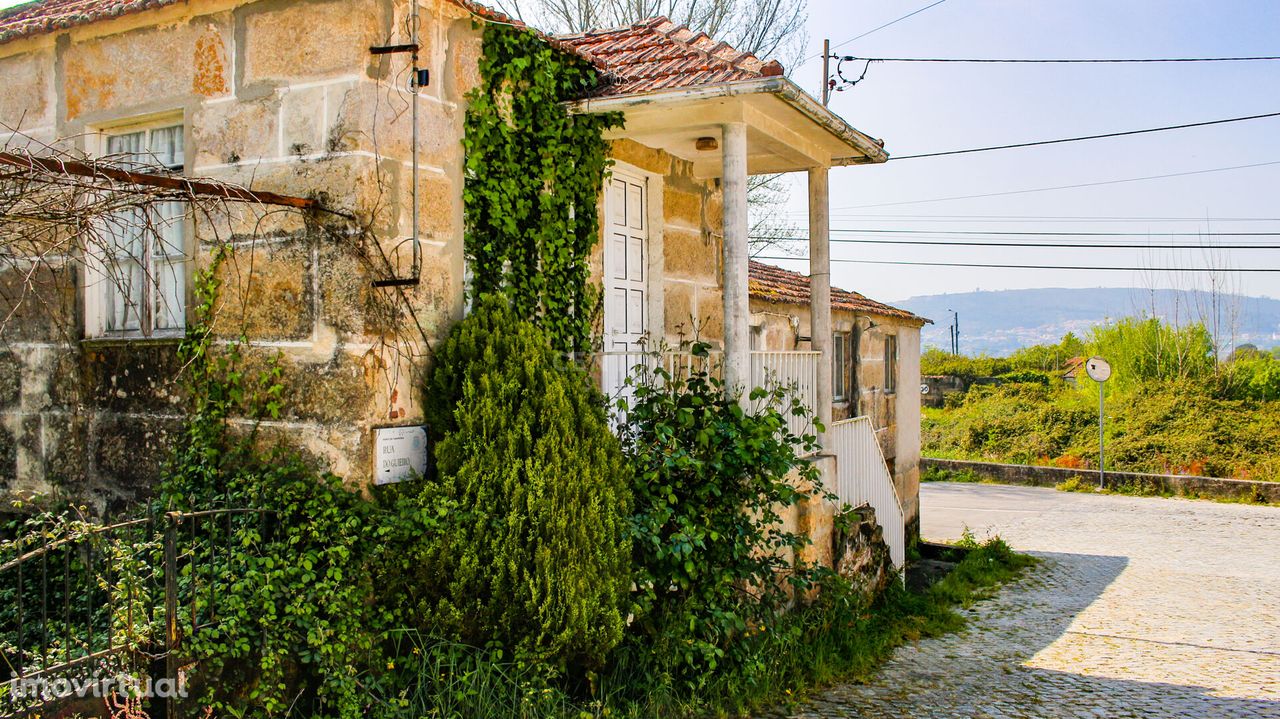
(797, 371)
(862, 477)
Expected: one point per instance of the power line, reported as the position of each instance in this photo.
(1062, 187)
(1248, 58)
(1038, 233)
(1083, 138)
(1034, 218)
(1035, 267)
(1048, 245)
(913, 13)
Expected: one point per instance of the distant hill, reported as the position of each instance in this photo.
(999, 322)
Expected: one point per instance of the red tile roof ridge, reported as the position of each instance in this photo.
(652, 54)
(658, 54)
(775, 284)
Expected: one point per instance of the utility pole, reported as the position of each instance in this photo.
(826, 71)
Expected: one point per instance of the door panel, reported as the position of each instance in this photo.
(626, 286)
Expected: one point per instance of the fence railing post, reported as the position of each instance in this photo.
(172, 639)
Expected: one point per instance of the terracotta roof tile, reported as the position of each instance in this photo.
(654, 54)
(45, 16)
(774, 284)
(658, 54)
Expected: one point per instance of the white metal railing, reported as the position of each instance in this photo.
(797, 371)
(862, 477)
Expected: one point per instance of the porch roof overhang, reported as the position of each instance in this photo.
(787, 129)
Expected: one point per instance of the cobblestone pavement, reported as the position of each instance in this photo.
(1143, 607)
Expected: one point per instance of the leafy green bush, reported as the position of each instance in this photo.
(1252, 375)
(532, 552)
(1051, 358)
(937, 362)
(1014, 423)
(295, 622)
(713, 561)
(1142, 349)
(1026, 376)
(1179, 427)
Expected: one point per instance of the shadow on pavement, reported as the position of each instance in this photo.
(990, 668)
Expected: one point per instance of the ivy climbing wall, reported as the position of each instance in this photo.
(534, 175)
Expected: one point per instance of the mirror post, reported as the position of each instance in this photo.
(1102, 442)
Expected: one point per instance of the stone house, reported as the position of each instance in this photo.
(875, 364)
(313, 100)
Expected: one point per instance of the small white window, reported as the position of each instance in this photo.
(138, 282)
(839, 366)
(890, 363)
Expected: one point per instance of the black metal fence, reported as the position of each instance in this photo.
(83, 606)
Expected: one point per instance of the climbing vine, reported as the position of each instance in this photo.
(534, 175)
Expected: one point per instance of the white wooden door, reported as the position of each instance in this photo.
(626, 257)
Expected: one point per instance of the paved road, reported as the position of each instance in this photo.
(1143, 607)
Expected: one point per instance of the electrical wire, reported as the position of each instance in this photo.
(1047, 245)
(1035, 267)
(1094, 219)
(1248, 58)
(1038, 233)
(1083, 138)
(877, 29)
(1061, 187)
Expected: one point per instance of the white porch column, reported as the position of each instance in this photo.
(820, 288)
(737, 329)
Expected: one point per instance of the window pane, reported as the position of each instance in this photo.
(837, 365)
(170, 225)
(171, 295)
(123, 233)
(124, 296)
(166, 146)
(890, 363)
(144, 250)
(129, 145)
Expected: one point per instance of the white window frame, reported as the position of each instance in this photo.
(101, 288)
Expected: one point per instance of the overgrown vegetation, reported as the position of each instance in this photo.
(533, 177)
(532, 492)
(839, 637)
(1170, 407)
(542, 569)
(398, 605)
(713, 563)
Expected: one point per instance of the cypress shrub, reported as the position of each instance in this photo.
(532, 554)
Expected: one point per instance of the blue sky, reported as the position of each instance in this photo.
(920, 108)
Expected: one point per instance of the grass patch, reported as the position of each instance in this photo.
(967, 476)
(1141, 488)
(838, 638)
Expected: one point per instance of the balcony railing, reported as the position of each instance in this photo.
(796, 371)
(862, 477)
